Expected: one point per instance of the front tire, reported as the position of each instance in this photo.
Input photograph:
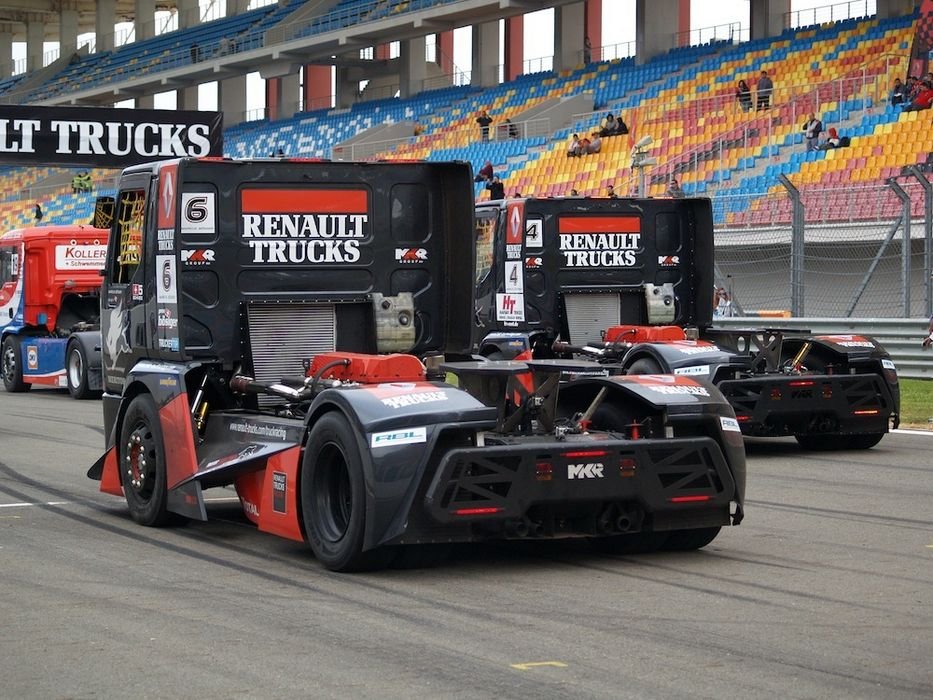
(142, 463)
(333, 498)
(76, 370)
(645, 365)
(11, 366)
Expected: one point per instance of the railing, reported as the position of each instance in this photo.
(732, 32)
(538, 65)
(830, 13)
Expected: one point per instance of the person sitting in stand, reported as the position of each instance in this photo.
(485, 173)
(574, 150)
(898, 93)
(832, 140)
(610, 126)
(923, 99)
(611, 192)
(595, 144)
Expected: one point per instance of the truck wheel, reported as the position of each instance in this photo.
(142, 463)
(644, 366)
(688, 540)
(76, 371)
(827, 443)
(333, 498)
(11, 364)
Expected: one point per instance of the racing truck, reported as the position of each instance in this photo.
(288, 327)
(50, 308)
(630, 282)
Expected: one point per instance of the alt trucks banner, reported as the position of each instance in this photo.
(106, 138)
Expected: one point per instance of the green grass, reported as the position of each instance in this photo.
(916, 401)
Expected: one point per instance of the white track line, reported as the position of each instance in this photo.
(26, 505)
(911, 431)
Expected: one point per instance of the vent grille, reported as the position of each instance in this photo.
(588, 315)
(283, 336)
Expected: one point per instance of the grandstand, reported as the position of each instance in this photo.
(682, 98)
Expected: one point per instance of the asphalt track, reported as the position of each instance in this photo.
(824, 592)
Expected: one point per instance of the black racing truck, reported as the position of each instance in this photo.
(286, 327)
(630, 282)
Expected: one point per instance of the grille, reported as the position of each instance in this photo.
(283, 336)
(590, 314)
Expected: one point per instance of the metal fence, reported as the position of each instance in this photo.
(835, 252)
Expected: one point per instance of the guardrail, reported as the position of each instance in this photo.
(900, 336)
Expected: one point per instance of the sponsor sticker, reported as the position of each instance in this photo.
(197, 257)
(534, 233)
(514, 278)
(510, 307)
(136, 292)
(888, 364)
(586, 470)
(197, 212)
(169, 382)
(169, 344)
(696, 349)
(80, 257)
(166, 217)
(259, 429)
(411, 256)
(166, 238)
(300, 226)
(32, 357)
(695, 370)
(668, 260)
(415, 399)
(166, 290)
(394, 438)
(600, 241)
(279, 488)
(729, 424)
(533, 263)
(680, 389)
(167, 319)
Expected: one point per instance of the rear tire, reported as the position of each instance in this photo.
(827, 443)
(645, 365)
(141, 453)
(11, 365)
(333, 498)
(76, 370)
(689, 540)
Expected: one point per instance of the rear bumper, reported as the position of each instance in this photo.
(775, 405)
(597, 487)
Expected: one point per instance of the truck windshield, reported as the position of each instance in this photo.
(9, 262)
(485, 239)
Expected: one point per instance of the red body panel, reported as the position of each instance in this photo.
(110, 478)
(369, 369)
(644, 334)
(180, 458)
(270, 496)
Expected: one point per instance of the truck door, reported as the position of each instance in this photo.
(125, 289)
(484, 298)
(11, 291)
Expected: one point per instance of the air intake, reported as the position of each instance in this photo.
(588, 315)
(283, 336)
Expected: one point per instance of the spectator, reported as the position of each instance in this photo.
(923, 99)
(928, 340)
(595, 144)
(912, 88)
(574, 149)
(510, 129)
(280, 153)
(517, 194)
(743, 94)
(584, 145)
(38, 213)
(484, 120)
(675, 190)
(587, 51)
(611, 192)
(898, 93)
(832, 140)
(496, 188)
(574, 193)
(812, 128)
(622, 126)
(75, 184)
(610, 126)
(485, 173)
(722, 303)
(765, 88)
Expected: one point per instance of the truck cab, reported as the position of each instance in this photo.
(50, 307)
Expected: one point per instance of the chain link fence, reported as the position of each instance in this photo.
(833, 252)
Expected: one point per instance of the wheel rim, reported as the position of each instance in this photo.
(9, 363)
(333, 495)
(75, 368)
(140, 462)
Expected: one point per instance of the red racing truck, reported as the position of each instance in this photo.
(629, 282)
(50, 308)
(287, 326)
